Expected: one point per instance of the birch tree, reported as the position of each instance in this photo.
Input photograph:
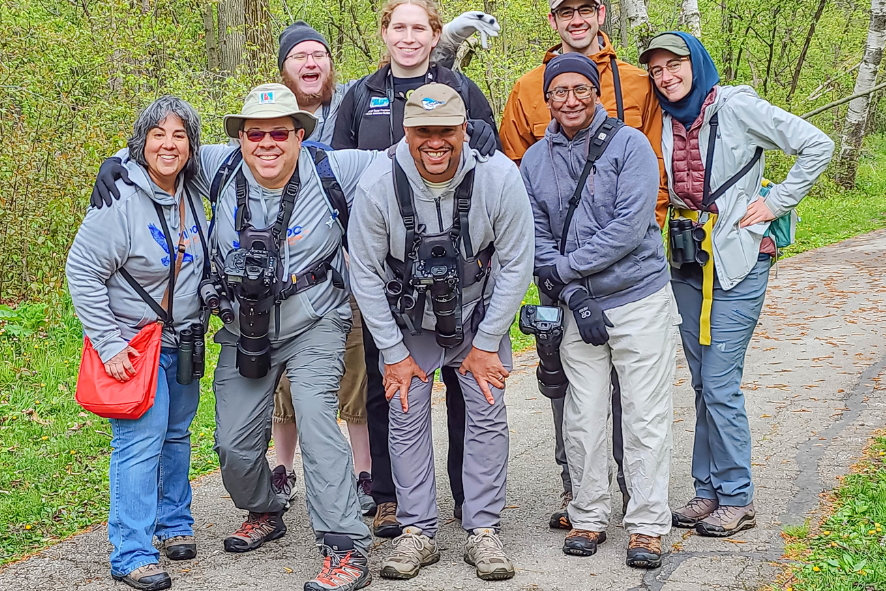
(857, 115)
(638, 20)
(691, 17)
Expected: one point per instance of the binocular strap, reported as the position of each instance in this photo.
(707, 278)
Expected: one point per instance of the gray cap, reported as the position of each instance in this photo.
(293, 35)
(668, 42)
(555, 4)
(269, 101)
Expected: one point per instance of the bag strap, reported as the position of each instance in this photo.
(600, 139)
(709, 198)
(460, 226)
(616, 81)
(361, 97)
(330, 185)
(199, 233)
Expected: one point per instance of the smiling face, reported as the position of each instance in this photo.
(409, 37)
(436, 150)
(572, 114)
(673, 85)
(271, 161)
(308, 75)
(578, 33)
(167, 150)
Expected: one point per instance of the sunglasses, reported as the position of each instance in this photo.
(278, 135)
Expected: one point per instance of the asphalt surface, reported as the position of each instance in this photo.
(814, 395)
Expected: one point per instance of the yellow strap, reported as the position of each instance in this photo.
(707, 283)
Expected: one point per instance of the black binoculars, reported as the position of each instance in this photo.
(685, 238)
(191, 355)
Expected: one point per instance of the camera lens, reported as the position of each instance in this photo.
(438, 252)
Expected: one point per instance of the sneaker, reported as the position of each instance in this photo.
(283, 483)
(364, 490)
(255, 531)
(412, 550)
(344, 567)
(149, 577)
(485, 552)
(180, 548)
(560, 519)
(385, 524)
(727, 520)
(457, 512)
(693, 512)
(581, 542)
(644, 551)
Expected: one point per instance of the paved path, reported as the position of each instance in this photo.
(814, 395)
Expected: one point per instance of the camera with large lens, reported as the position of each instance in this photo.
(250, 273)
(212, 293)
(546, 323)
(438, 274)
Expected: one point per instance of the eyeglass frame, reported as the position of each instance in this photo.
(324, 55)
(270, 132)
(657, 74)
(594, 8)
(549, 94)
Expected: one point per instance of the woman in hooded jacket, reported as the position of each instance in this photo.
(713, 139)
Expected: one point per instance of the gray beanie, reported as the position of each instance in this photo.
(293, 35)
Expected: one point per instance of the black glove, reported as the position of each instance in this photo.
(590, 318)
(481, 137)
(549, 282)
(105, 189)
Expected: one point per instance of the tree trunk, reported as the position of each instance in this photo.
(726, 24)
(622, 24)
(806, 43)
(231, 34)
(857, 115)
(638, 19)
(259, 40)
(606, 27)
(691, 17)
(211, 31)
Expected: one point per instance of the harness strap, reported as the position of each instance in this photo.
(316, 274)
(460, 225)
(616, 82)
(709, 198)
(707, 280)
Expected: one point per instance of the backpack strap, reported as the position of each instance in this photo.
(616, 82)
(599, 140)
(709, 198)
(331, 186)
(361, 98)
(460, 227)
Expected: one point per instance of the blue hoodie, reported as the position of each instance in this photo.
(704, 78)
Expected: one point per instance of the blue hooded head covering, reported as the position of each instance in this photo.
(704, 78)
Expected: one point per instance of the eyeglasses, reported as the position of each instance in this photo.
(568, 13)
(278, 135)
(300, 58)
(673, 67)
(560, 94)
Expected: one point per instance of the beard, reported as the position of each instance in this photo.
(324, 97)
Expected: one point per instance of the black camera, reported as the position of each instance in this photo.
(546, 323)
(251, 275)
(438, 274)
(251, 268)
(213, 295)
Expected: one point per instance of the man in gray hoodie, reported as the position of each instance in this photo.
(460, 222)
(598, 248)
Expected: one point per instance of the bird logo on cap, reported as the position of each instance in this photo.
(430, 104)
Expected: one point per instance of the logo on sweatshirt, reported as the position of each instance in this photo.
(430, 104)
(379, 105)
(160, 238)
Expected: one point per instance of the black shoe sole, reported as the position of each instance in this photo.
(156, 586)
(644, 562)
(578, 551)
(241, 549)
(704, 530)
(387, 531)
(684, 522)
(182, 552)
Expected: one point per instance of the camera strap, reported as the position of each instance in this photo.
(709, 198)
(410, 252)
(600, 138)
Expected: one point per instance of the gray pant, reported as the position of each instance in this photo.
(314, 363)
(485, 466)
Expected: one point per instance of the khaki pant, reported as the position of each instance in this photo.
(351, 394)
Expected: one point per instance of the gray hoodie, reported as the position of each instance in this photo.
(500, 213)
(614, 247)
(128, 234)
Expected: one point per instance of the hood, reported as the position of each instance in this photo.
(138, 174)
(704, 78)
(420, 191)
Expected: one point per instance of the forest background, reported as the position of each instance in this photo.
(74, 73)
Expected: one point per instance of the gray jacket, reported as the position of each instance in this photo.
(745, 122)
(128, 234)
(314, 230)
(614, 248)
(327, 114)
(500, 213)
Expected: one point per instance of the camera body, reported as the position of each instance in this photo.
(546, 323)
(251, 268)
(436, 270)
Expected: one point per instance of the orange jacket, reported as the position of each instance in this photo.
(526, 115)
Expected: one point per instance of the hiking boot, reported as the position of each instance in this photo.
(644, 551)
(180, 548)
(693, 511)
(581, 542)
(149, 577)
(727, 520)
(385, 524)
(485, 552)
(255, 531)
(344, 567)
(364, 490)
(560, 519)
(283, 483)
(457, 511)
(412, 550)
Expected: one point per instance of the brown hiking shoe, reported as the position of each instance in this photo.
(727, 520)
(385, 524)
(581, 542)
(255, 531)
(149, 577)
(693, 511)
(560, 519)
(644, 551)
(180, 548)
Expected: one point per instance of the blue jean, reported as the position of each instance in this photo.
(721, 456)
(151, 457)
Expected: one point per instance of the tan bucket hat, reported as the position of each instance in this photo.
(269, 101)
(434, 104)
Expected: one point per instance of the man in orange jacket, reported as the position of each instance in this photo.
(626, 93)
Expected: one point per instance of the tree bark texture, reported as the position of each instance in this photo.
(857, 115)
(691, 17)
(638, 20)
(210, 30)
(231, 34)
(259, 39)
(622, 24)
(606, 27)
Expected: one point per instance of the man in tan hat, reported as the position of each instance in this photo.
(441, 255)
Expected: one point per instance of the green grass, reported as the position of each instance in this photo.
(848, 553)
